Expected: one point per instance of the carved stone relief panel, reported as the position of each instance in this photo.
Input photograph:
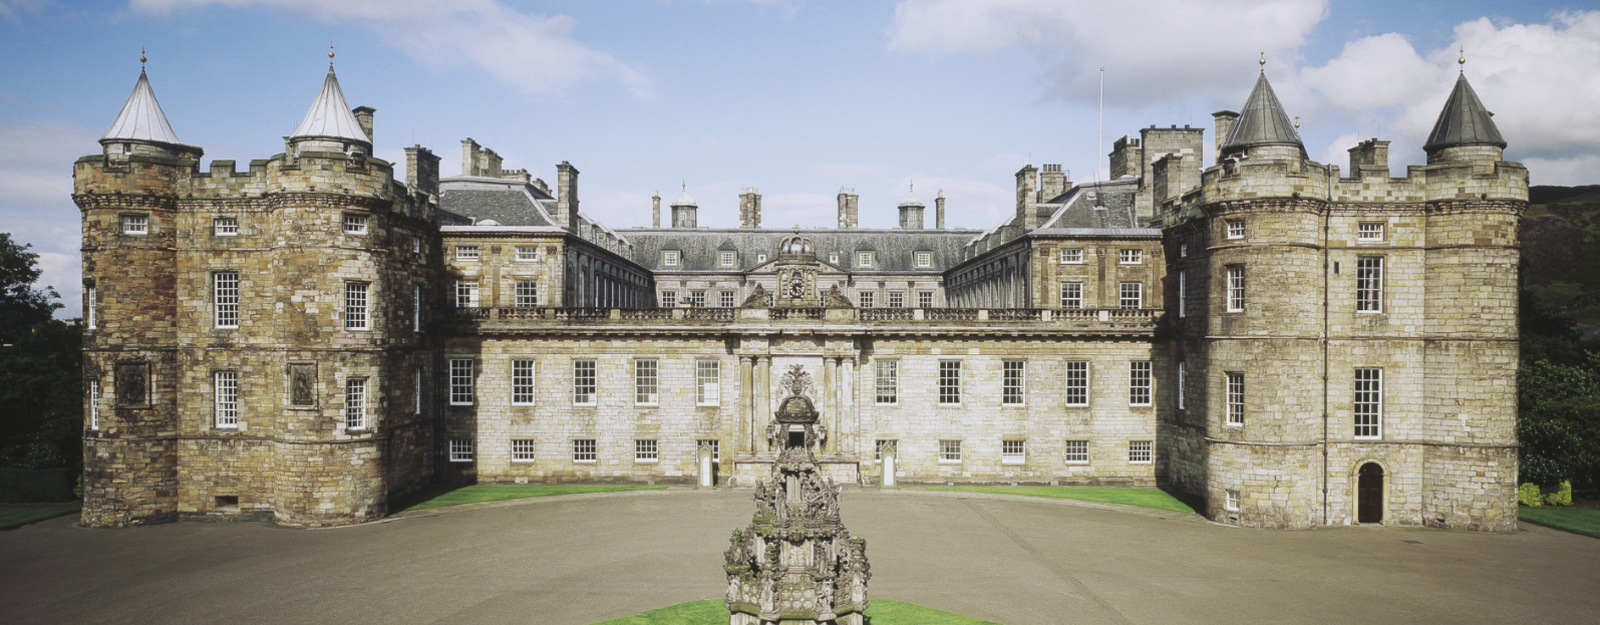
(133, 384)
(303, 384)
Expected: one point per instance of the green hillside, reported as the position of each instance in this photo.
(1561, 253)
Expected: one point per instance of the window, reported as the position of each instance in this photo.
(461, 382)
(1071, 256)
(833, 258)
(726, 299)
(1235, 398)
(726, 259)
(522, 382)
(1132, 295)
(461, 450)
(416, 308)
(1369, 403)
(466, 293)
(135, 224)
(1139, 452)
(882, 444)
(355, 305)
(416, 245)
(355, 224)
(526, 254)
(646, 379)
(1236, 228)
(864, 259)
(708, 383)
(1077, 452)
(1072, 295)
(761, 258)
(1139, 383)
(522, 450)
(416, 390)
(1183, 250)
(466, 252)
(1183, 293)
(950, 451)
(527, 293)
(669, 299)
(1369, 284)
(90, 295)
(888, 382)
(924, 259)
(1132, 257)
(867, 298)
(1183, 372)
(1077, 383)
(1013, 452)
(94, 404)
(949, 381)
(1014, 382)
(669, 258)
(697, 299)
(583, 450)
(924, 299)
(1235, 288)
(1370, 231)
(355, 404)
(225, 299)
(1232, 504)
(897, 299)
(716, 448)
(583, 382)
(645, 450)
(225, 226)
(225, 390)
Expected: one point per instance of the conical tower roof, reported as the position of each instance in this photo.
(141, 118)
(1262, 121)
(1463, 121)
(330, 115)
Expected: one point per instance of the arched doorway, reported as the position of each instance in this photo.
(1369, 493)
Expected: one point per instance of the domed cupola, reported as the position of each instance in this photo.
(911, 209)
(684, 210)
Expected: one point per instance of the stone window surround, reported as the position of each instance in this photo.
(1233, 399)
(1014, 451)
(707, 382)
(354, 223)
(224, 226)
(468, 252)
(1370, 231)
(1130, 292)
(949, 451)
(1071, 256)
(461, 450)
(524, 381)
(225, 398)
(225, 300)
(585, 451)
(526, 254)
(1071, 368)
(1183, 374)
(136, 224)
(646, 382)
(1234, 289)
(1141, 383)
(924, 299)
(1077, 452)
(646, 451)
(1183, 293)
(462, 372)
(886, 375)
(356, 403)
(91, 299)
(949, 386)
(1231, 503)
(1133, 256)
(1141, 452)
(357, 299)
(1367, 404)
(94, 405)
(1369, 284)
(522, 450)
(585, 381)
(1235, 228)
(1075, 300)
(1014, 383)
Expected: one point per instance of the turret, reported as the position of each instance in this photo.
(684, 210)
(1263, 130)
(142, 128)
(330, 125)
(1465, 130)
(911, 209)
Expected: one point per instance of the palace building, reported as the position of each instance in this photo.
(306, 338)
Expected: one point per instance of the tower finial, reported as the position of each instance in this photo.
(141, 58)
(1263, 60)
(1461, 61)
(913, 188)
(330, 54)
(685, 184)
(1297, 122)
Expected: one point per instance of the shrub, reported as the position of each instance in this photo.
(1561, 497)
(1528, 495)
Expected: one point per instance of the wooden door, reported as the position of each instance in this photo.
(1369, 494)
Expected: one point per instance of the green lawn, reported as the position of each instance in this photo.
(1142, 497)
(712, 612)
(14, 515)
(454, 496)
(1576, 519)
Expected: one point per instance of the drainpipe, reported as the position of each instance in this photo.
(1327, 215)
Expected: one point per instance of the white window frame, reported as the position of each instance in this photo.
(354, 224)
(1235, 228)
(1071, 256)
(669, 299)
(886, 382)
(225, 399)
(761, 258)
(1076, 388)
(468, 252)
(585, 450)
(1136, 297)
(1183, 250)
(879, 445)
(1183, 374)
(697, 298)
(416, 391)
(355, 404)
(1013, 382)
(924, 299)
(1367, 406)
(1141, 382)
(416, 245)
(924, 259)
(224, 226)
(135, 224)
(585, 381)
(1369, 284)
(416, 308)
(1231, 500)
(1013, 452)
(357, 306)
(646, 450)
(671, 258)
(1183, 293)
(462, 391)
(1370, 231)
(466, 293)
(869, 299)
(950, 451)
(1233, 397)
(94, 405)
(865, 259)
(727, 259)
(526, 254)
(225, 300)
(91, 297)
(716, 448)
(728, 299)
(1131, 257)
(646, 382)
(833, 258)
(707, 382)
(897, 299)
(461, 450)
(527, 293)
(1071, 295)
(949, 382)
(1235, 288)
(1141, 452)
(524, 380)
(1076, 452)
(522, 450)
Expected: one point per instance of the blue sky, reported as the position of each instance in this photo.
(796, 98)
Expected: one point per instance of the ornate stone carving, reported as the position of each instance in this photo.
(757, 299)
(303, 384)
(836, 299)
(133, 383)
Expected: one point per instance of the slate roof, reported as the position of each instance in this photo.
(1262, 121)
(330, 115)
(509, 202)
(1464, 121)
(141, 118)
(896, 249)
(1111, 208)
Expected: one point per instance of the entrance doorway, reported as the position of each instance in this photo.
(1369, 494)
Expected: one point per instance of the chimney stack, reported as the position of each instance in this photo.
(567, 196)
(1369, 158)
(1027, 198)
(938, 210)
(364, 117)
(1224, 120)
(749, 208)
(1052, 183)
(422, 170)
(655, 210)
(848, 208)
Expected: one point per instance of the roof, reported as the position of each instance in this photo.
(330, 115)
(1097, 206)
(685, 200)
(1463, 121)
(1262, 121)
(895, 249)
(912, 200)
(509, 202)
(141, 118)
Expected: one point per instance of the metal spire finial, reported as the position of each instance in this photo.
(1461, 62)
(1297, 122)
(141, 58)
(1263, 61)
(330, 55)
(913, 187)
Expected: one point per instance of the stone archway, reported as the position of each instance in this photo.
(1369, 493)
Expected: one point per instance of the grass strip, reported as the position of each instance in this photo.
(1142, 497)
(712, 612)
(1576, 519)
(455, 496)
(15, 515)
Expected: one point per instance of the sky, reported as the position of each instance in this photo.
(794, 97)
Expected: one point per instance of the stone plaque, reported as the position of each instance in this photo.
(303, 384)
(133, 383)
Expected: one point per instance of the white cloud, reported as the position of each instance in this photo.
(12, 9)
(36, 199)
(534, 53)
(1157, 50)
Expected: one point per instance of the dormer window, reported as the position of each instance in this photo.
(924, 259)
(864, 259)
(225, 226)
(833, 258)
(1071, 256)
(466, 252)
(1132, 257)
(761, 258)
(355, 224)
(669, 258)
(135, 224)
(727, 259)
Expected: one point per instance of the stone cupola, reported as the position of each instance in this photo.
(911, 209)
(684, 210)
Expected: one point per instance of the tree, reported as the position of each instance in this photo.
(21, 306)
(41, 366)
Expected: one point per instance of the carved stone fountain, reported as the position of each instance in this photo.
(796, 564)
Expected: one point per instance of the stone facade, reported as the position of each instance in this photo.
(310, 338)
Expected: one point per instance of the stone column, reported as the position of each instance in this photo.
(830, 413)
(746, 434)
(763, 395)
(852, 411)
